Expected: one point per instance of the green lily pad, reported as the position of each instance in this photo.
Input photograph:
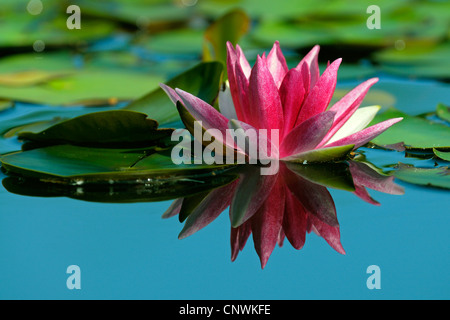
(6, 104)
(117, 129)
(321, 155)
(442, 155)
(435, 177)
(443, 112)
(75, 165)
(85, 88)
(414, 132)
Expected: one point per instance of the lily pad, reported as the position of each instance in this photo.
(6, 104)
(321, 155)
(442, 155)
(434, 177)
(75, 165)
(84, 88)
(117, 129)
(414, 132)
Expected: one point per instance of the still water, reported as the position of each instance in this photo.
(127, 251)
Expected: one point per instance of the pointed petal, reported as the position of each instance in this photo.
(347, 105)
(202, 111)
(360, 138)
(266, 223)
(264, 99)
(294, 221)
(293, 91)
(315, 198)
(238, 238)
(243, 62)
(210, 118)
(362, 193)
(320, 95)
(236, 88)
(331, 234)
(277, 64)
(358, 121)
(312, 61)
(307, 135)
(173, 209)
(251, 192)
(365, 176)
(208, 210)
(226, 104)
(170, 92)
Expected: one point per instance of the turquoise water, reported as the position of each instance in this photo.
(127, 251)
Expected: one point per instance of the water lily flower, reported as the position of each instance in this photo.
(293, 101)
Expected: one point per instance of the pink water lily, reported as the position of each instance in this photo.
(294, 101)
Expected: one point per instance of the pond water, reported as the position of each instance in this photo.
(127, 251)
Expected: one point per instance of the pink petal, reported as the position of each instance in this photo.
(294, 221)
(365, 176)
(321, 94)
(265, 147)
(264, 99)
(362, 193)
(266, 223)
(208, 115)
(347, 106)
(243, 62)
(238, 238)
(314, 198)
(277, 64)
(362, 137)
(251, 192)
(238, 89)
(208, 210)
(307, 135)
(293, 91)
(331, 234)
(173, 209)
(312, 61)
(171, 93)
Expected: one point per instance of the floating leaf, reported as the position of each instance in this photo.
(443, 112)
(442, 155)
(88, 87)
(77, 165)
(6, 104)
(321, 155)
(435, 177)
(117, 129)
(414, 132)
(27, 78)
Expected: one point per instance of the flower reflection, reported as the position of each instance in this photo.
(287, 205)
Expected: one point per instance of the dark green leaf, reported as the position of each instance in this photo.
(116, 129)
